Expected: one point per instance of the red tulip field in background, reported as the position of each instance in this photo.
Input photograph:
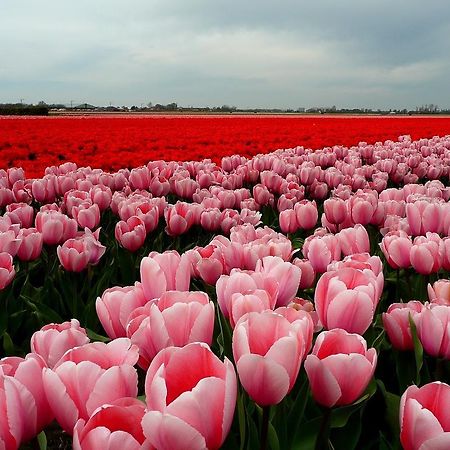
(114, 142)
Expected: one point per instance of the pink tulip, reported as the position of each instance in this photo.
(176, 319)
(307, 214)
(362, 208)
(149, 214)
(347, 298)
(287, 274)
(21, 381)
(87, 215)
(288, 221)
(21, 213)
(179, 218)
(88, 377)
(161, 272)
(117, 425)
(131, 234)
(257, 300)
(335, 210)
(115, 306)
(101, 195)
(242, 282)
(7, 271)
(339, 367)
(191, 397)
(424, 418)
(433, 329)
(73, 255)
(44, 189)
(397, 326)
(9, 242)
(439, 291)
(321, 250)
(354, 240)
(425, 256)
(55, 226)
(210, 219)
(268, 350)
(308, 273)
(396, 247)
(54, 339)
(31, 242)
(424, 216)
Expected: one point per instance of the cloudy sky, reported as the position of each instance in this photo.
(250, 53)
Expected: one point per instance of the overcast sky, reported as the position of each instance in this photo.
(248, 53)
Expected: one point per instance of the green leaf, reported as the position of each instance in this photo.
(42, 440)
(8, 344)
(392, 402)
(96, 337)
(241, 419)
(274, 443)
(418, 349)
(347, 438)
(340, 416)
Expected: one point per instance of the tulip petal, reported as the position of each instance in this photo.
(167, 432)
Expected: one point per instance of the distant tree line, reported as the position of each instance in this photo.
(20, 109)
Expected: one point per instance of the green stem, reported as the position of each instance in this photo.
(324, 432)
(265, 427)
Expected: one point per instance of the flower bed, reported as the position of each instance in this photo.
(297, 299)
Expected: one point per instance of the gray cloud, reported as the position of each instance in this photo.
(255, 53)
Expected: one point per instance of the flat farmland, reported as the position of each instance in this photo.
(114, 142)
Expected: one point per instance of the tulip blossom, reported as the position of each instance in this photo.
(425, 255)
(112, 426)
(424, 216)
(339, 368)
(175, 319)
(306, 213)
(396, 322)
(424, 418)
(161, 272)
(31, 242)
(87, 215)
(396, 247)
(131, 234)
(243, 282)
(287, 274)
(115, 306)
(90, 376)
(439, 291)
(21, 380)
(346, 298)
(191, 397)
(354, 240)
(321, 249)
(7, 271)
(433, 330)
(55, 226)
(268, 350)
(54, 339)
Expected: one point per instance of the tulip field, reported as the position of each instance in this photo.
(263, 286)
